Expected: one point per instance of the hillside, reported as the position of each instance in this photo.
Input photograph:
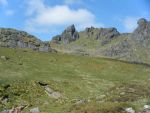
(61, 83)
(13, 38)
(107, 42)
(104, 72)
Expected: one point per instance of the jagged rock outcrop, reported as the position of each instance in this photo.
(107, 33)
(103, 34)
(12, 38)
(108, 42)
(142, 34)
(70, 34)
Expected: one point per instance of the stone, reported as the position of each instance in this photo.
(130, 110)
(80, 102)
(34, 110)
(4, 58)
(51, 93)
(146, 107)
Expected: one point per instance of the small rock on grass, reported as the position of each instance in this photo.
(130, 110)
(34, 110)
(4, 58)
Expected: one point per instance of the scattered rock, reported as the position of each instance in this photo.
(14, 110)
(4, 58)
(51, 93)
(80, 102)
(34, 110)
(130, 110)
(146, 109)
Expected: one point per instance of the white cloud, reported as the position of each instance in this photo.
(9, 12)
(34, 6)
(59, 15)
(130, 23)
(3, 2)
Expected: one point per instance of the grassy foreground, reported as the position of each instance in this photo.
(87, 84)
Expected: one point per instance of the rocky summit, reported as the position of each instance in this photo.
(142, 34)
(108, 42)
(69, 34)
(12, 38)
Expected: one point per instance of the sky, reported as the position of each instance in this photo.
(47, 18)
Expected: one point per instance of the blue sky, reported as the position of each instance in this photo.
(47, 18)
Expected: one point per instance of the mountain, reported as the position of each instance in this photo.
(12, 38)
(69, 35)
(49, 82)
(108, 42)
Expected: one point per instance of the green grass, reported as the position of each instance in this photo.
(107, 85)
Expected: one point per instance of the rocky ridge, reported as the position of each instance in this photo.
(108, 42)
(12, 38)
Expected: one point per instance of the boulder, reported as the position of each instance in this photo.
(51, 93)
(146, 109)
(130, 110)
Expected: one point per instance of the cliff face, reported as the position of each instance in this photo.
(108, 42)
(19, 39)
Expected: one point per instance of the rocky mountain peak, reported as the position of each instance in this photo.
(142, 34)
(68, 35)
(143, 25)
(71, 29)
(142, 22)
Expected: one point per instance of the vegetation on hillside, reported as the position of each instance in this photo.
(86, 84)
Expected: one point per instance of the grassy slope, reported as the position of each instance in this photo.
(109, 85)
